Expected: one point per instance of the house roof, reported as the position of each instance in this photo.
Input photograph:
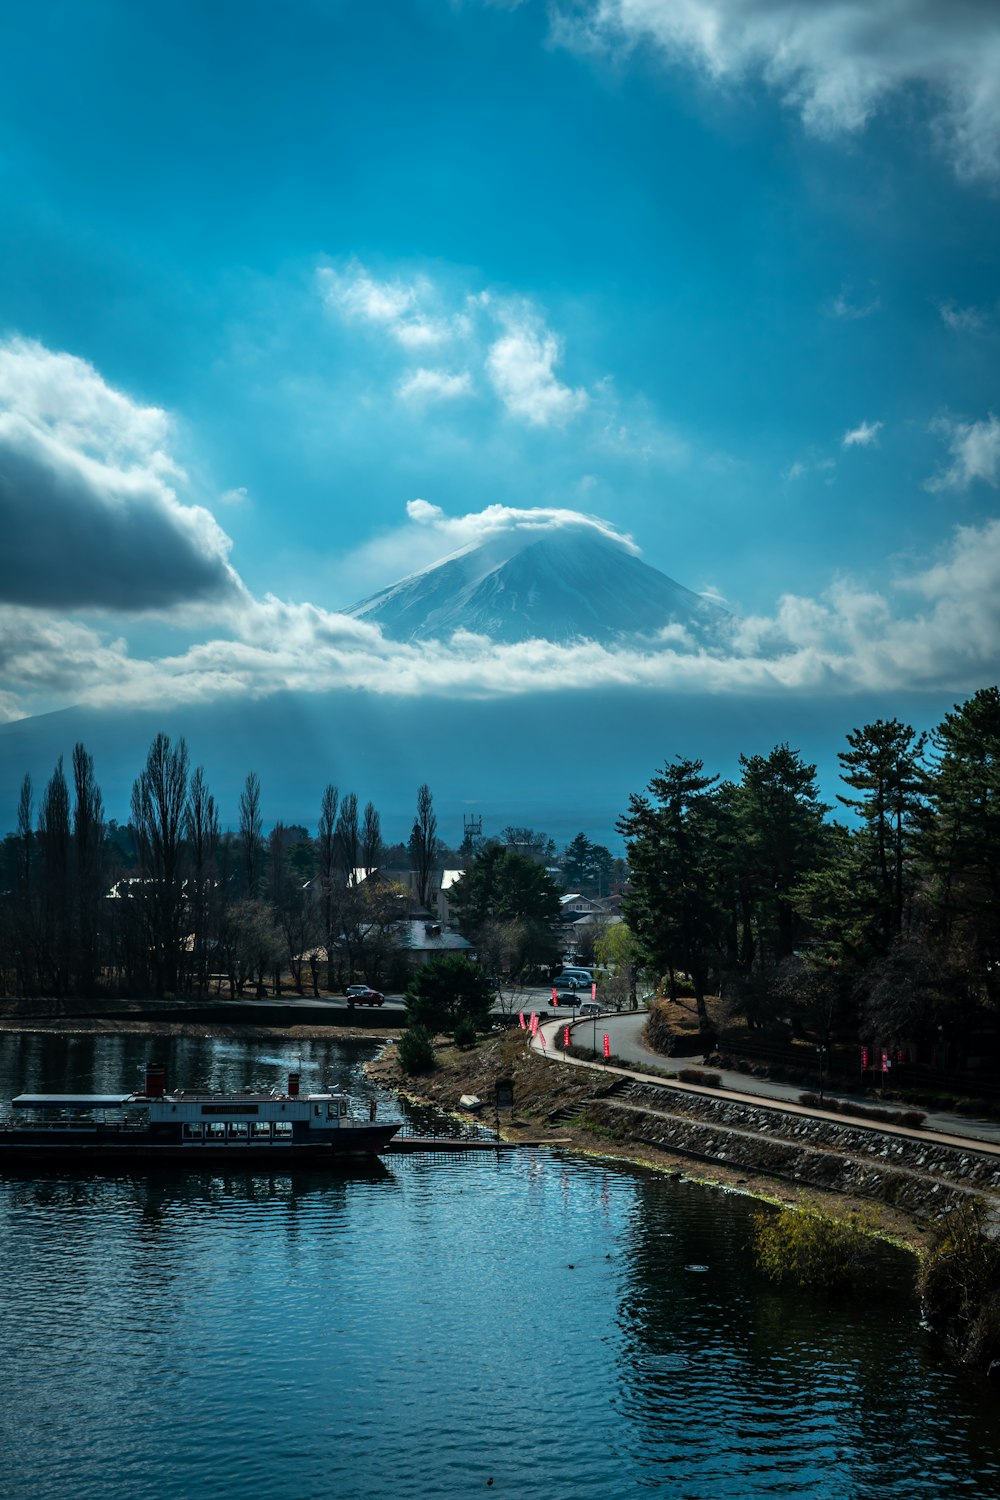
(421, 936)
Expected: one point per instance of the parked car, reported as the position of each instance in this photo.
(363, 994)
(590, 1008)
(569, 981)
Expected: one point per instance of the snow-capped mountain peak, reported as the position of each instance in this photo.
(562, 584)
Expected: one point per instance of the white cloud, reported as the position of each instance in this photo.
(237, 496)
(521, 367)
(862, 436)
(938, 628)
(835, 63)
(434, 385)
(508, 339)
(961, 319)
(405, 310)
(975, 452)
(87, 515)
(847, 311)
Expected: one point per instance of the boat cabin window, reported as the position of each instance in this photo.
(215, 1130)
(336, 1107)
(282, 1130)
(193, 1132)
(238, 1132)
(260, 1130)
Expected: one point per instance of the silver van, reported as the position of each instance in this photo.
(590, 1008)
(582, 977)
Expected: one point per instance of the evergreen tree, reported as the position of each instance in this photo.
(503, 886)
(676, 906)
(884, 766)
(963, 838)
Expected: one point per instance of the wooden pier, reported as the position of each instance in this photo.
(400, 1144)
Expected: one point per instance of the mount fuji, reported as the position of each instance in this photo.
(569, 583)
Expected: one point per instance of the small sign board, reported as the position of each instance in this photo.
(505, 1093)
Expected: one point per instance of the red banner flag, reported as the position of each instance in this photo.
(864, 1058)
(593, 991)
(541, 1038)
(555, 997)
(607, 1045)
(565, 1036)
(520, 1017)
(533, 1023)
(885, 1061)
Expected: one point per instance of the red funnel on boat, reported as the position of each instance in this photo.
(156, 1081)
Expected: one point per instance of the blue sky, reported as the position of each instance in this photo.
(722, 273)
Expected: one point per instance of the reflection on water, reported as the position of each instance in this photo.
(563, 1327)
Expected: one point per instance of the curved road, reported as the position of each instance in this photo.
(624, 1031)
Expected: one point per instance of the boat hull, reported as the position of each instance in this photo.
(86, 1152)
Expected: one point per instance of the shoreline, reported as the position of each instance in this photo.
(541, 1091)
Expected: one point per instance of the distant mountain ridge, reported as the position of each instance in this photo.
(568, 584)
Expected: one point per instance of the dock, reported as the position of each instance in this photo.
(401, 1144)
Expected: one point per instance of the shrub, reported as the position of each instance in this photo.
(959, 1285)
(465, 1032)
(812, 1249)
(416, 1050)
(913, 1118)
(697, 1075)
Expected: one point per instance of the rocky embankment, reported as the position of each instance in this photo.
(922, 1178)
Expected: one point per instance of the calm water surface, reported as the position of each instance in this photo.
(565, 1328)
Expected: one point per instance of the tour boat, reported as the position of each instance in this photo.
(193, 1129)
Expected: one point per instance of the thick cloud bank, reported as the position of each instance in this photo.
(937, 629)
(835, 62)
(88, 514)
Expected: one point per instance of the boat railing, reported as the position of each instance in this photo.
(101, 1127)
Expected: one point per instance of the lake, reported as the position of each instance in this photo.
(561, 1326)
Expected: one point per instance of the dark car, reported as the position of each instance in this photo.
(363, 994)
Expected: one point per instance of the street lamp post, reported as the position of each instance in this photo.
(821, 1051)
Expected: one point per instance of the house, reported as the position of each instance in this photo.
(421, 940)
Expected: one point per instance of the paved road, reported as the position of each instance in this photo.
(624, 1031)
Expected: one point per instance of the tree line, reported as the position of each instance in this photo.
(885, 926)
(171, 902)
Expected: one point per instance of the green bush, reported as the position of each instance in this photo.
(812, 1249)
(465, 1033)
(959, 1285)
(416, 1050)
(446, 990)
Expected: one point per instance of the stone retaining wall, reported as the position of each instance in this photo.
(924, 1179)
(959, 1164)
